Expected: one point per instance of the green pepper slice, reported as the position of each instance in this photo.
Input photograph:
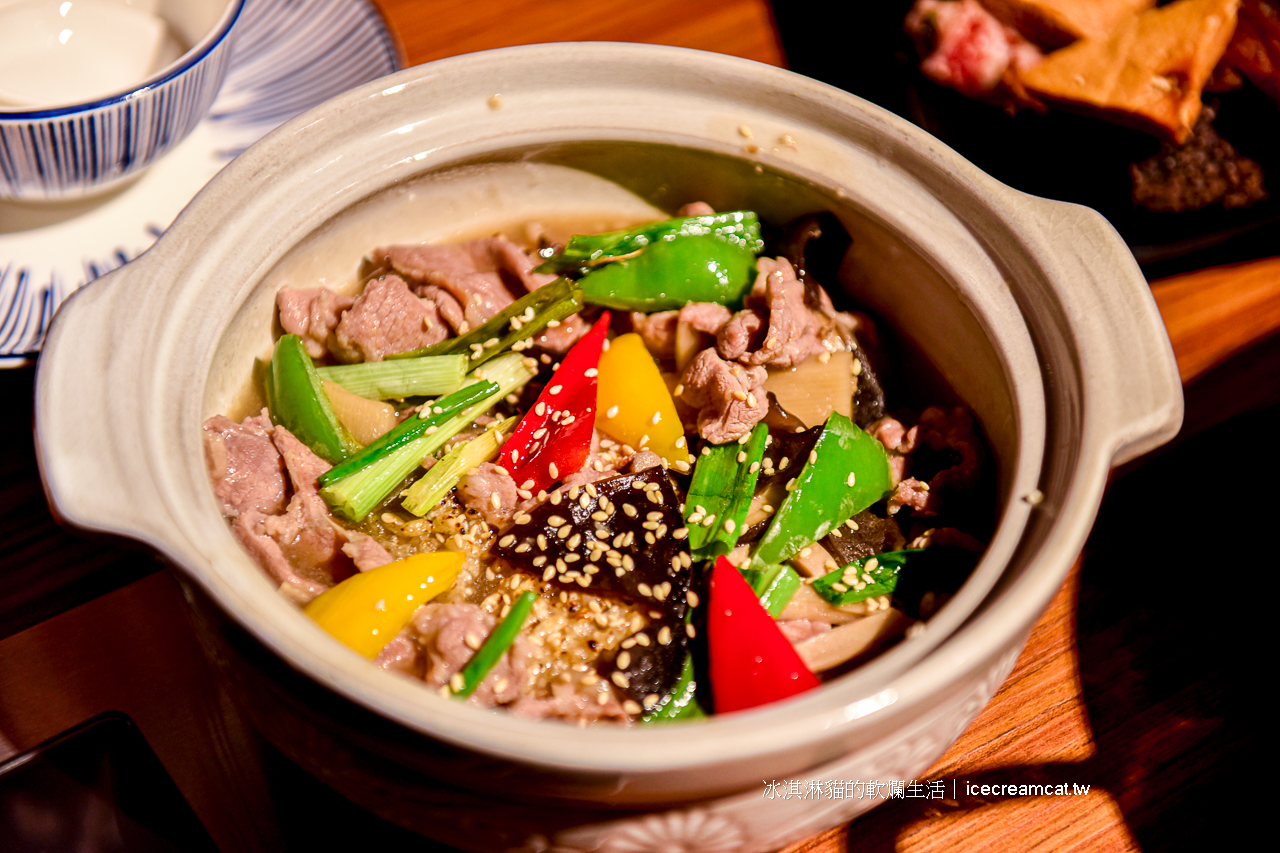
(673, 272)
(846, 472)
(724, 481)
(737, 227)
(298, 403)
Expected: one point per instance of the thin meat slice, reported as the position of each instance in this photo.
(658, 331)
(245, 466)
(489, 490)
(449, 635)
(728, 397)
(311, 313)
(480, 274)
(777, 329)
(387, 318)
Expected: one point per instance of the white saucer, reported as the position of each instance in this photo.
(289, 55)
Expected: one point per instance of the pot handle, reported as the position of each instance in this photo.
(1127, 365)
(89, 414)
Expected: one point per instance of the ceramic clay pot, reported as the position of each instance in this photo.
(1032, 311)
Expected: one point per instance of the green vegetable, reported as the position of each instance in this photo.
(739, 228)
(410, 429)
(298, 403)
(354, 495)
(724, 480)
(838, 586)
(519, 321)
(847, 472)
(446, 473)
(775, 586)
(496, 645)
(681, 703)
(392, 380)
(673, 272)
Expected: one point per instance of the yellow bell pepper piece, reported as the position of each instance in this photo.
(367, 610)
(633, 404)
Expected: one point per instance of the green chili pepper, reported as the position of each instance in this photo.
(673, 272)
(739, 227)
(298, 403)
(846, 472)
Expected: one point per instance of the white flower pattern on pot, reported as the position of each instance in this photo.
(691, 831)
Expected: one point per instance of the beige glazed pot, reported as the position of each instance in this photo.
(1033, 311)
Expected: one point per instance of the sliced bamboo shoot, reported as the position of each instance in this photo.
(807, 604)
(815, 389)
(846, 642)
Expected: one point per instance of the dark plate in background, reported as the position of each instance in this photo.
(862, 48)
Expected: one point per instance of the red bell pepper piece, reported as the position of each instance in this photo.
(553, 439)
(751, 661)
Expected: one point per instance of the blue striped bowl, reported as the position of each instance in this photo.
(78, 150)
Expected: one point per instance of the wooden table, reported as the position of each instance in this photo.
(1109, 692)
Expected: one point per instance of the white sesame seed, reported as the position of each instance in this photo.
(813, 457)
(553, 470)
(851, 480)
(591, 373)
(624, 660)
(555, 389)
(620, 680)
(730, 525)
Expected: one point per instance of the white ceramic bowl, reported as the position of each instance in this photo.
(69, 151)
(1034, 311)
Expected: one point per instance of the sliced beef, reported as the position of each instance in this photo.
(573, 703)
(307, 540)
(480, 274)
(696, 208)
(365, 551)
(728, 397)
(898, 440)
(296, 542)
(387, 318)
(449, 635)
(448, 308)
(777, 328)
(312, 314)
(562, 335)
(303, 465)
(706, 317)
(250, 529)
(402, 654)
(490, 491)
(947, 435)
(658, 331)
(247, 471)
